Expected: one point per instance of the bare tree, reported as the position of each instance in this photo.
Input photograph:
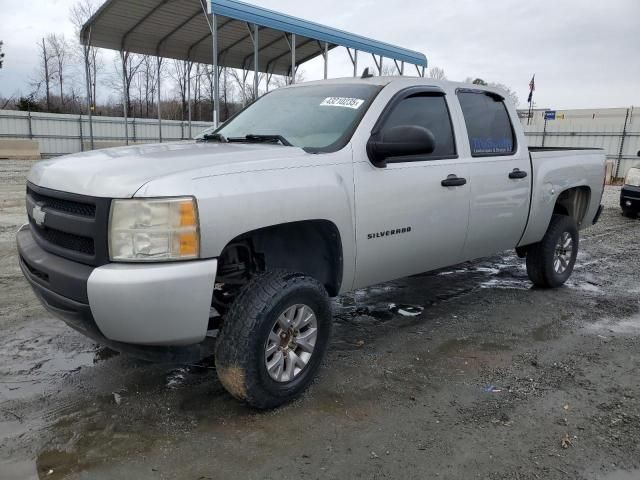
(59, 47)
(90, 56)
(246, 84)
(437, 73)
(149, 77)
(1, 54)
(389, 70)
(130, 64)
(226, 90)
(282, 81)
(197, 89)
(143, 87)
(181, 73)
(45, 72)
(509, 93)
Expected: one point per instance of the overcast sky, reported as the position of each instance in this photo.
(585, 54)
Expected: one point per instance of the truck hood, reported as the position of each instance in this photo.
(120, 172)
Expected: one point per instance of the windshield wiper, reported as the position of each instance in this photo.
(216, 137)
(253, 138)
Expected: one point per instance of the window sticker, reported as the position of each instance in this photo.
(346, 102)
(489, 145)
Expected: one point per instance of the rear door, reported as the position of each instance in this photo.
(407, 222)
(500, 175)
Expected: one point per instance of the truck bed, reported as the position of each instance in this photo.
(556, 169)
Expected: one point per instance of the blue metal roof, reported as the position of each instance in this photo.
(286, 23)
(180, 29)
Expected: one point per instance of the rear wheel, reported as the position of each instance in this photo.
(629, 213)
(274, 338)
(550, 262)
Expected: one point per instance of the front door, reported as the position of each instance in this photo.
(407, 221)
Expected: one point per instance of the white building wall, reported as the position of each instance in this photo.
(59, 134)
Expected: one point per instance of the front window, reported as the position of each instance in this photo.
(318, 118)
(429, 111)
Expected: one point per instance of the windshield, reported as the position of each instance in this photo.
(318, 118)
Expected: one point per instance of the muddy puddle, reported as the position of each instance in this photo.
(32, 361)
(616, 326)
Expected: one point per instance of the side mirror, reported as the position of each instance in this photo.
(399, 141)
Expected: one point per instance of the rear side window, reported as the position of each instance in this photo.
(431, 112)
(488, 124)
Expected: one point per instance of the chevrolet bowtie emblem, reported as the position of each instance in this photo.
(38, 215)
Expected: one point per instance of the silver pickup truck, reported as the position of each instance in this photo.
(239, 238)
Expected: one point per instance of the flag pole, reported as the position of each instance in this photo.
(532, 88)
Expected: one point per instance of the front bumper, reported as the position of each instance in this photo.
(150, 310)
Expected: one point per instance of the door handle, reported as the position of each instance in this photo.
(453, 181)
(517, 173)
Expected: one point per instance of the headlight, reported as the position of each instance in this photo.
(151, 230)
(633, 177)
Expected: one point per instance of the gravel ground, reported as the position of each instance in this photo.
(458, 374)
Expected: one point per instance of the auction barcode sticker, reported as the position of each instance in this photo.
(354, 103)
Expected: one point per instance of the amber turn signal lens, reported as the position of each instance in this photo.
(188, 244)
(187, 214)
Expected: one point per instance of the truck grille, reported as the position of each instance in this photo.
(69, 225)
(65, 240)
(74, 208)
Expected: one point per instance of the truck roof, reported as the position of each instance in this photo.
(402, 81)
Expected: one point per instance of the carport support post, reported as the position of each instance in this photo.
(354, 60)
(326, 60)
(87, 74)
(256, 80)
(189, 65)
(159, 101)
(268, 80)
(378, 65)
(293, 58)
(355, 63)
(124, 96)
(216, 75)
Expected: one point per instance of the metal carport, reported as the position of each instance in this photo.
(229, 33)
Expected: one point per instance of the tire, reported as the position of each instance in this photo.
(255, 316)
(544, 267)
(629, 213)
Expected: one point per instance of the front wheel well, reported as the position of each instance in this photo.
(312, 247)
